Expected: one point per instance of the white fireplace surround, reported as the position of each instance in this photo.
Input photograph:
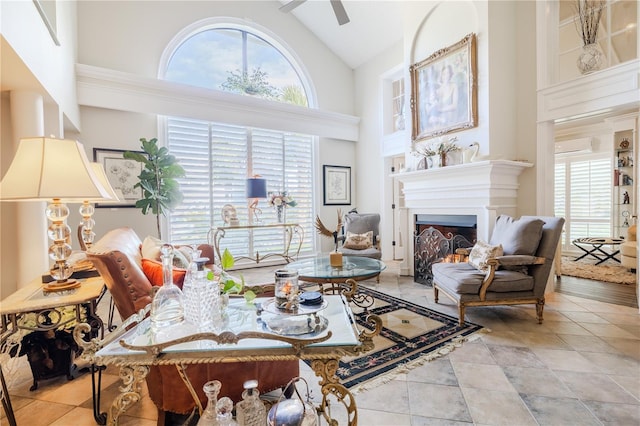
(485, 189)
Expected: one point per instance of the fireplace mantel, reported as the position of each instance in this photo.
(485, 189)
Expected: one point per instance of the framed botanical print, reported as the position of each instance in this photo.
(122, 174)
(337, 185)
(444, 91)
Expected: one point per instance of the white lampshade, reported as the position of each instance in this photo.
(46, 168)
(98, 170)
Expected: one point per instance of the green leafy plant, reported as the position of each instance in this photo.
(228, 284)
(160, 189)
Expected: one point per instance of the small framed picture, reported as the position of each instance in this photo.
(337, 185)
(122, 175)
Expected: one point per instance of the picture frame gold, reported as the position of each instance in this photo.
(444, 91)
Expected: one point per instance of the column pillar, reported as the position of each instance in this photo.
(27, 120)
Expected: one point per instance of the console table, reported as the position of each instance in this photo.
(290, 229)
(134, 347)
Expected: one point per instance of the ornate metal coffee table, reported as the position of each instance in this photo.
(318, 270)
(135, 348)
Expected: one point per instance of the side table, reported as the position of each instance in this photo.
(47, 308)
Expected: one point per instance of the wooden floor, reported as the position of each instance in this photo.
(619, 294)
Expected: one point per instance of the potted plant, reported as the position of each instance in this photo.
(160, 189)
(588, 14)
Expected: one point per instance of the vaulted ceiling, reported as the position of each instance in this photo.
(374, 26)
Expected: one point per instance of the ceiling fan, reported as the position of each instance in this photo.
(338, 9)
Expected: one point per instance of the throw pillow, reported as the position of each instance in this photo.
(150, 249)
(521, 236)
(153, 271)
(481, 252)
(358, 241)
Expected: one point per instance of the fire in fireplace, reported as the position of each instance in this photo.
(437, 237)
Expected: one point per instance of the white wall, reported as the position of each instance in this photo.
(52, 66)
(506, 92)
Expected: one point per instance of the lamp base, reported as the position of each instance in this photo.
(61, 286)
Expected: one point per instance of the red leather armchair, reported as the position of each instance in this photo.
(118, 259)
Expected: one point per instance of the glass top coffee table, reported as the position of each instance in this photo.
(344, 280)
(319, 270)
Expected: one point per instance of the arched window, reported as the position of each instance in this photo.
(238, 61)
(218, 157)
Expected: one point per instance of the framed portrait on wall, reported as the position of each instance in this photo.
(122, 174)
(444, 91)
(337, 185)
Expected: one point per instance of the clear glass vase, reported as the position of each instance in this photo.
(167, 306)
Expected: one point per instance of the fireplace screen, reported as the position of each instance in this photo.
(436, 240)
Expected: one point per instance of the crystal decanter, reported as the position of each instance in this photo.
(251, 411)
(201, 296)
(167, 307)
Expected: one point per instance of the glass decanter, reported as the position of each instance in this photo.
(167, 306)
(251, 411)
(209, 416)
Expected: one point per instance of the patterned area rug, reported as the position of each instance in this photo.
(411, 335)
(609, 271)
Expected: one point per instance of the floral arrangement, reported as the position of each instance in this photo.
(278, 199)
(438, 147)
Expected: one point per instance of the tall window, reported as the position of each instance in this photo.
(219, 157)
(583, 195)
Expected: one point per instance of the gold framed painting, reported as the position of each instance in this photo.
(444, 91)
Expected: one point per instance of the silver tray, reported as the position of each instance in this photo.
(309, 325)
(270, 306)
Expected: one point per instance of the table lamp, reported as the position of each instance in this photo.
(56, 170)
(256, 189)
(85, 230)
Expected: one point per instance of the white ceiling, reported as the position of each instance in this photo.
(374, 27)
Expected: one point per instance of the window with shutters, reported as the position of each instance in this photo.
(219, 157)
(583, 195)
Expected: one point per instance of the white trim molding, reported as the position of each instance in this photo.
(106, 88)
(594, 93)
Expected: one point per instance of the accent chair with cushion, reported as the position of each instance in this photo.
(118, 258)
(361, 235)
(513, 268)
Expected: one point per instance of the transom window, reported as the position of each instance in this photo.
(218, 157)
(237, 61)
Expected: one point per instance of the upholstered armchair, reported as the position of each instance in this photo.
(513, 268)
(361, 235)
(118, 258)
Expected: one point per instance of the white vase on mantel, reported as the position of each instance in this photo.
(590, 58)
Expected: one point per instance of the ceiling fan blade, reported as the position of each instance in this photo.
(341, 14)
(291, 5)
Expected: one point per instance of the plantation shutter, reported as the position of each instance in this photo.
(218, 159)
(583, 188)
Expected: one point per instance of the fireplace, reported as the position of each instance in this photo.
(483, 189)
(437, 237)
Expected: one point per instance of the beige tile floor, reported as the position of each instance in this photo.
(580, 367)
